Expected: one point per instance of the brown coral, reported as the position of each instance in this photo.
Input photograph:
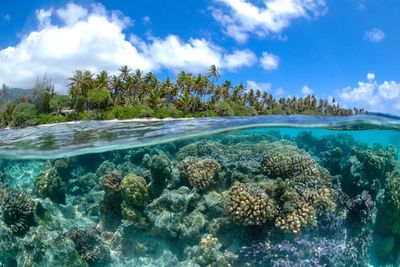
(286, 164)
(201, 173)
(248, 205)
(134, 195)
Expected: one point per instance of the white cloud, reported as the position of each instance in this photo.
(93, 38)
(146, 20)
(240, 18)
(375, 35)
(306, 90)
(389, 90)
(7, 17)
(373, 96)
(371, 76)
(269, 61)
(239, 58)
(279, 92)
(263, 87)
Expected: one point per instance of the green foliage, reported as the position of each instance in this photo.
(169, 111)
(6, 113)
(134, 94)
(241, 110)
(223, 109)
(56, 118)
(58, 102)
(86, 115)
(42, 93)
(131, 112)
(99, 98)
(25, 114)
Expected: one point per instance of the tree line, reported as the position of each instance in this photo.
(135, 94)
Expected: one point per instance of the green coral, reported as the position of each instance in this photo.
(248, 205)
(201, 173)
(49, 184)
(134, 195)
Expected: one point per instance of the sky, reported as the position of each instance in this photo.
(347, 49)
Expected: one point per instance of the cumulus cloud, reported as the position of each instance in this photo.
(279, 92)
(371, 76)
(306, 90)
(375, 35)
(77, 37)
(372, 95)
(269, 61)
(240, 18)
(263, 87)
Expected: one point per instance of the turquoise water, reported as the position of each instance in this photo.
(249, 191)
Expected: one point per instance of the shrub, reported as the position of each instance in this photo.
(169, 111)
(223, 109)
(58, 102)
(85, 116)
(131, 112)
(49, 118)
(25, 114)
(240, 110)
(99, 98)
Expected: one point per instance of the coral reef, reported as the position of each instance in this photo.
(248, 198)
(286, 161)
(134, 194)
(50, 185)
(387, 218)
(89, 245)
(248, 205)
(208, 253)
(17, 210)
(110, 205)
(201, 173)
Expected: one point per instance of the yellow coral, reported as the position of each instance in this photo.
(201, 173)
(249, 206)
(134, 195)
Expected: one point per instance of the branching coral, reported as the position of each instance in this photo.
(50, 185)
(17, 211)
(248, 205)
(201, 173)
(134, 195)
(89, 245)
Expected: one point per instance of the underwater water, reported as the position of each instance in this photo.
(249, 191)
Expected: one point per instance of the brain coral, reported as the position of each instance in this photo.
(248, 205)
(201, 173)
(17, 211)
(134, 195)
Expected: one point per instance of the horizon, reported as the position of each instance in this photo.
(284, 47)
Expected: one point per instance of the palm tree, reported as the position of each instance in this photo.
(80, 85)
(4, 93)
(8, 112)
(213, 72)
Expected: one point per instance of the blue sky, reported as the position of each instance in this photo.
(348, 49)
